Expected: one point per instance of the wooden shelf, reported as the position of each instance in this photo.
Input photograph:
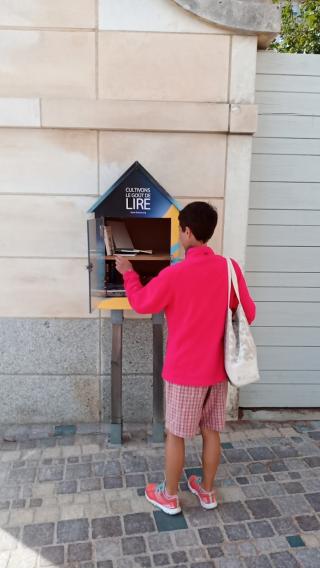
(139, 257)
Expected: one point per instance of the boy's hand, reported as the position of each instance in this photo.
(122, 264)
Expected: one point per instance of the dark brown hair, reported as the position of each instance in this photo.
(201, 218)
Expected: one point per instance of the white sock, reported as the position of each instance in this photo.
(167, 496)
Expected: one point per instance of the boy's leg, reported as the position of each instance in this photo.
(212, 422)
(211, 453)
(174, 462)
(183, 412)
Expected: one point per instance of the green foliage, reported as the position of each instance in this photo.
(300, 28)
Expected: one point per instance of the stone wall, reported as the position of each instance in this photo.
(86, 88)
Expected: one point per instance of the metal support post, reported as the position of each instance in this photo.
(158, 414)
(116, 378)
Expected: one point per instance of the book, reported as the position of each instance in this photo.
(133, 252)
(121, 237)
(108, 240)
(118, 240)
(116, 293)
(116, 290)
(107, 279)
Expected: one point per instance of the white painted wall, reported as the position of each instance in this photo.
(283, 254)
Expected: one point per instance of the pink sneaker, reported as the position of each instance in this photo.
(156, 494)
(207, 500)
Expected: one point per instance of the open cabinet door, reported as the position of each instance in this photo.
(96, 261)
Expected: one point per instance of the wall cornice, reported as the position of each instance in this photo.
(148, 116)
(258, 17)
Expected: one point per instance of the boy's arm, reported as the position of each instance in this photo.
(153, 297)
(245, 297)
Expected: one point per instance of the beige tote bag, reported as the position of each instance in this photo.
(240, 352)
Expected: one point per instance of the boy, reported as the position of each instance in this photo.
(193, 294)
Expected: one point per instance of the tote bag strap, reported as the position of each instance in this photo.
(229, 281)
(232, 279)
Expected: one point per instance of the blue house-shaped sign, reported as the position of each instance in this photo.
(135, 194)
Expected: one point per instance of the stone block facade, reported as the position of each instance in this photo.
(86, 88)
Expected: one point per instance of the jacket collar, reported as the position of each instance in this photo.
(202, 250)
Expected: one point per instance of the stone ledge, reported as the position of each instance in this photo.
(134, 115)
(148, 116)
(243, 119)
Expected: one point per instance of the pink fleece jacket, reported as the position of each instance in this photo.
(194, 297)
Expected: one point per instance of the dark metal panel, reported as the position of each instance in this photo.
(158, 414)
(96, 261)
(116, 377)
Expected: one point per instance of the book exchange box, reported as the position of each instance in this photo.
(138, 218)
(135, 217)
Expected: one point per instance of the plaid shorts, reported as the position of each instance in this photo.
(190, 408)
